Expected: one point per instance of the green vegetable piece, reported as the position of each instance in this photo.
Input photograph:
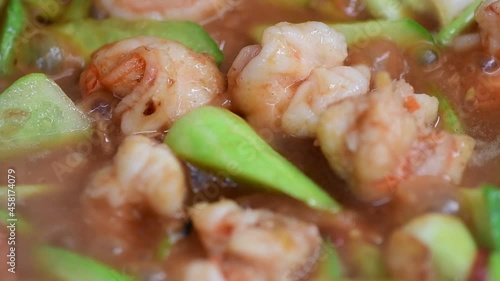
(13, 25)
(452, 247)
(494, 267)
(89, 34)
(330, 266)
(447, 10)
(449, 117)
(366, 259)
(164, 248)
(386, 9)
(35, 114)
(405, 32)
(23, 192)
(219, 140)
(419, 6)
(45, 10)
(77, 10)
(473, 208)
(64, 265)
(457, 25)
(7, 218)
(492, 197)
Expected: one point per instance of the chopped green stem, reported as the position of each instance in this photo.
(221, 141)
(457, 25)
(64, 265)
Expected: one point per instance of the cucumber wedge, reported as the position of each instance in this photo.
(89, 34)
(35, 114)
(481, 207)
(452, 247)
(218, 140)
(405, 32)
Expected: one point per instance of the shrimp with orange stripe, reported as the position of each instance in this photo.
(379, 140)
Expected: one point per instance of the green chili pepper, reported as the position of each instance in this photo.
(219, 140)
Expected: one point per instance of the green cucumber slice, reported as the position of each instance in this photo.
(219, 140)
(35, 114)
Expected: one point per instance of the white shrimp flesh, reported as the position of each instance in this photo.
(156, 81)
(193, 10)
(252, 245)
(144, 174)
(377, 141)
(488, 19)
(290, 79)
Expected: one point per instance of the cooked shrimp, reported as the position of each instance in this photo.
(488, 19)
(193, 10)
(377, 141)
(143, 174)
(255, 244)
(293, 76)
(156, 80)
